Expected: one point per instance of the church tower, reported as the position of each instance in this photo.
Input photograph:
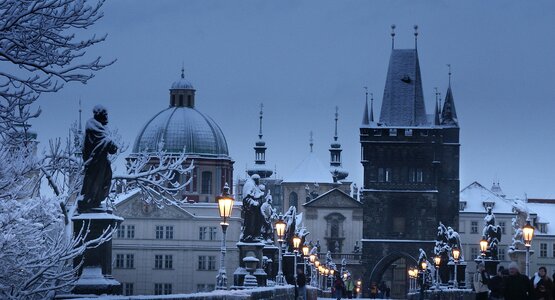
(411, 170)
(336, 167)
(260, 153)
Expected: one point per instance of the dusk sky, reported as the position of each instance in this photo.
(303, 58)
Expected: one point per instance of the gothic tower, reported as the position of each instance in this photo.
(411, 170)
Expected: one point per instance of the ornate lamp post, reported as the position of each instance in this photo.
(437, 262)
(528, 234)
(280, 231)
(317, 271)
(225, 205)
(305, 251)
(296, 245)
(483, 247)
(411, 277)
(456, 255)
(359, 288)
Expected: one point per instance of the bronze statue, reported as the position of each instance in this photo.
(98, 173)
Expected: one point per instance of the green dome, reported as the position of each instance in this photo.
(182, 129)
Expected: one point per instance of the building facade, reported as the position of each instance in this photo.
(411, 173)
(176, 248)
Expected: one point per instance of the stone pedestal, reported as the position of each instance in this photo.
(490, 265)
(461, 273)
(519, 256)
(271, 253)
(95, 272)
(248, 250)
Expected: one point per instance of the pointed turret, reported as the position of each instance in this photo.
(403, 100)
(437, 121)
(365, 117)
(449, 113)
(260, 167)
(368, 117)
(336, 168)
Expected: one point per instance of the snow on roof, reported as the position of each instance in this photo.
(119, 198)
(310, 170)
(546, 214)
(475, 195)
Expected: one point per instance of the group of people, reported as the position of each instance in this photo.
(512, 285)
(340, 288)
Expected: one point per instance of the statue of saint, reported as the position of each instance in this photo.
(252, 216)
(269, 215)
(98, 173)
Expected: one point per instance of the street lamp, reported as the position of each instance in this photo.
(225, 205)
(437, 262)
(280, 231)
(296, 245)
(305, 251)
(456, 255)
(528, 234)
(483, 246)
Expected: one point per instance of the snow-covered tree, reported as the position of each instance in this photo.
(40, 50)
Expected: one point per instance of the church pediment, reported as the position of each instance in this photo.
(135, 207)
(334, 198)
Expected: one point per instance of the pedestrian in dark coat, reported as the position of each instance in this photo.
(517, 286)
(543, 285)
(496, 285)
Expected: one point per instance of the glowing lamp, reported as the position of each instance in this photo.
(528, 233)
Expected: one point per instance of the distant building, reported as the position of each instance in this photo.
(176, 249)
(411, 174)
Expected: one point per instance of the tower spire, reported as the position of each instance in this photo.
(449, 113)
(182, 70)
(415, 36)
(392, 36)
(336, 118)
(311, 140)
(260, 125)
(449, 67)
(436, 113)
(371, 107)
(365, 119)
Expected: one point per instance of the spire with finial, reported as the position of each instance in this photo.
(336, 169)
(183, 70)
(392, 36)
(260, 167)
(79, 128)
(449, 113)
(436, 112)
(182, 92)
(415, 36)
(365, 118)
(311, 140)
(260, 125)
(371, 107)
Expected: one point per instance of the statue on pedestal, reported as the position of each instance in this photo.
(492, 233)
(269, 216)
(252, 216)
(98, 173)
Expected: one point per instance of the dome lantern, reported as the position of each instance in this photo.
(182, 92)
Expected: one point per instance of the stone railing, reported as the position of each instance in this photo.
(350, 258)
(286, 292)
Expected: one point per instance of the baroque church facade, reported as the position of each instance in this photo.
(411, 173)
(176, 248)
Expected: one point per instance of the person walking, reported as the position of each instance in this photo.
(496, 285)
(480, 281)
(350, 287)
(339, 287)
(373, 291)
(543, 285)
(301, 284)
(517, 286)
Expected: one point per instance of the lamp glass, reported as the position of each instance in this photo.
(424, 265)
(296, 242)
(280, 229)
(305, 250)
(528, 233)
(312, 258)
(456, 253)
(437, 260)
(317, 264)
(483, 245)
(225, 205)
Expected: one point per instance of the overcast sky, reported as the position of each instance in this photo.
(302, 58)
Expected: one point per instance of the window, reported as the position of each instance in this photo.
(473, 252)
(119, 261)
(213, 232)
(121, 232)
(129, 261)
(474, 227)
(206, 186)
(293, 199)
(130, 231)
(377, 132)
(158, 261)
(502, 225)
(543, 249)
(462, 225)
(392, 132)
(408, 132)
(424, 133)
(173, 100)
(462, 205)
(206, 262)
(162, 288)
(542, 227)
(202, 232)
(189, 101)
(127, 289)
(159, 232)
(168, 261)
(553, 250)
(169, 232)
(501, 253)
(180, 100)
(384, 174)
(207, 233)
(416, 175)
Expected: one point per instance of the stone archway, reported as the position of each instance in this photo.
(392, 268)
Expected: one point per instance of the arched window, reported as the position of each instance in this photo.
(206, 185)
(334, 231)
(293, 200)
(180, 100)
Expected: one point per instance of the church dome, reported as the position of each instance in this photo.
(181, 127)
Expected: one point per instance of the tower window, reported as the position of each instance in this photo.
(384, 174)
(180, 100)
(416, 175)
(189, 101)
(173, 100)
(206, 187)
(392, 132)
(377, 132)
(293, 199)
(408, 132)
